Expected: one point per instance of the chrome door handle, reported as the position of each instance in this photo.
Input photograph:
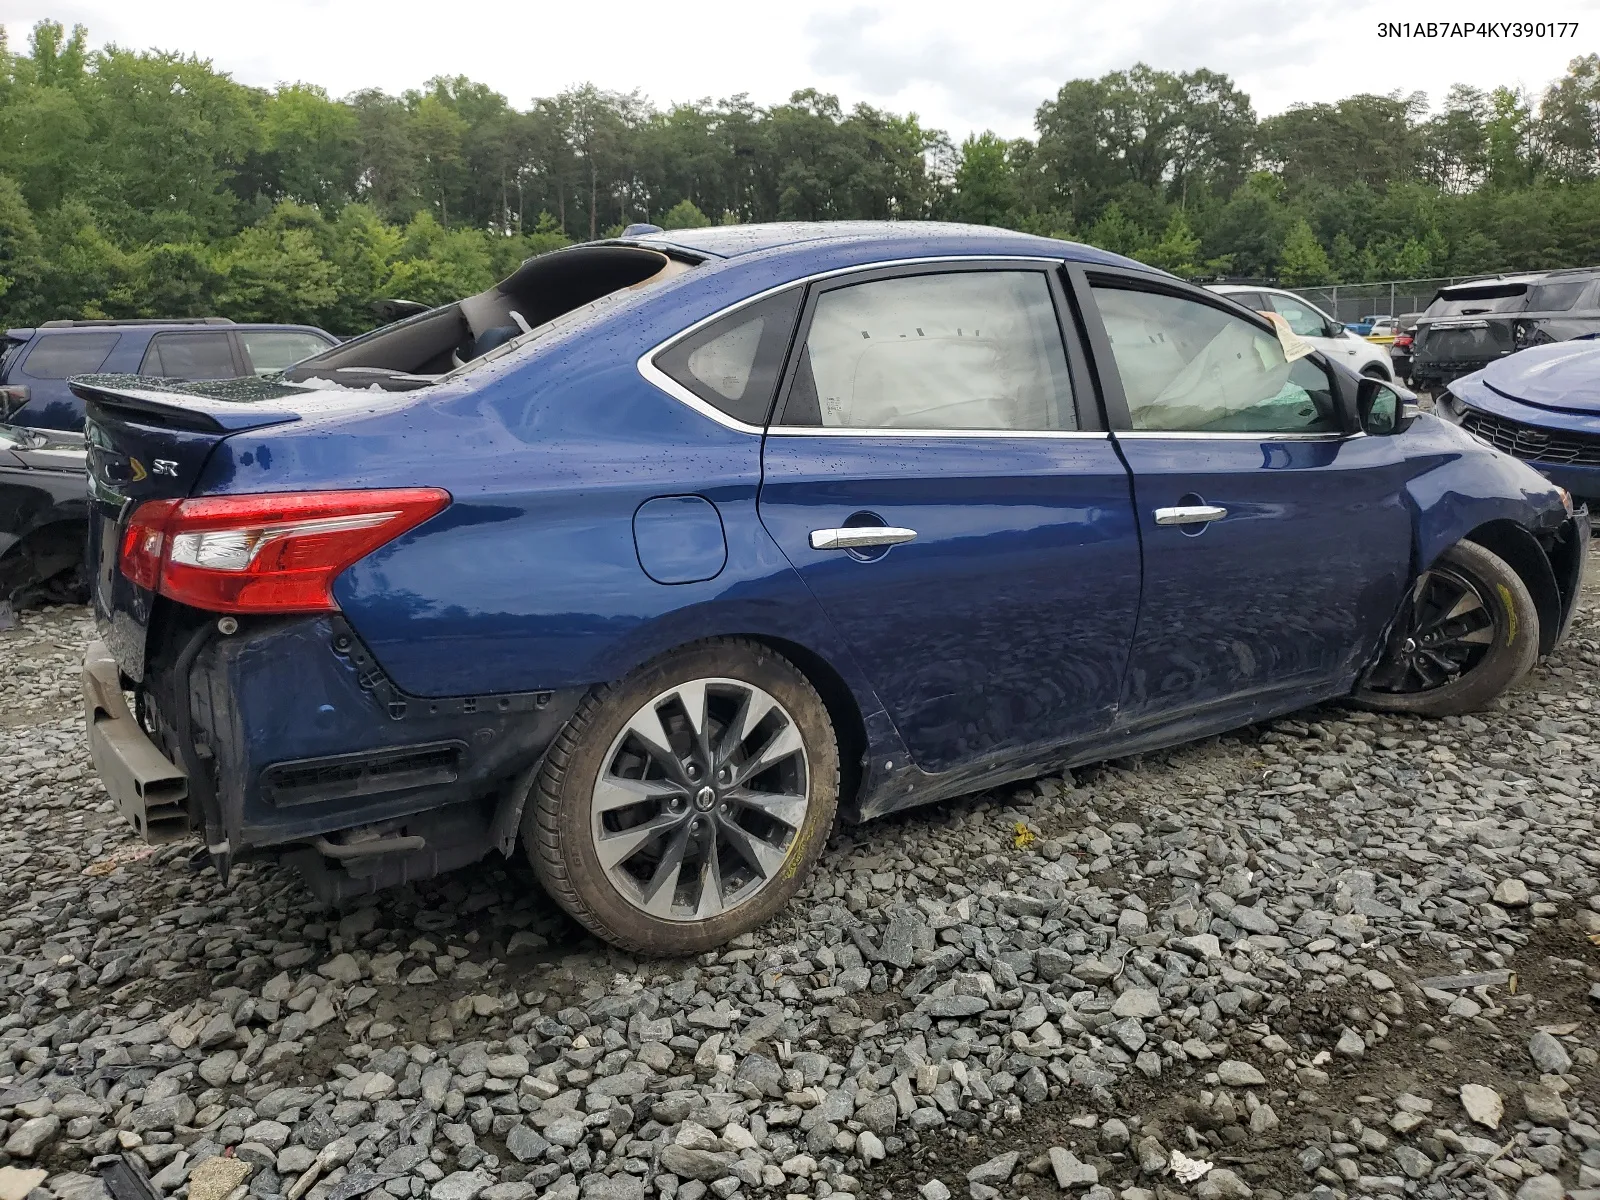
(858, 537)
(1190, 514)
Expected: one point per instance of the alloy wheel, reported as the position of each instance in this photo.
(1444, 631)
(699, 799)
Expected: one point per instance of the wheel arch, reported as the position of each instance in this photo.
(1522, 553)
(849, 726)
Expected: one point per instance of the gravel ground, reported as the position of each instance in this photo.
(1333, 955)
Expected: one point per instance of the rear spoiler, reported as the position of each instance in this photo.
(171, 405)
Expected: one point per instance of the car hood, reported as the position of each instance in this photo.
(1564, 377)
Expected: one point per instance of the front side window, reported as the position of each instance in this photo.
(733, 363)
(1189, 366)
(189, 356)
(964, 350)
(272, 350)
(1302, 318)
(58, 355)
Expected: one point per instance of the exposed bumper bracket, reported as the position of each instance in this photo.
(149, 790)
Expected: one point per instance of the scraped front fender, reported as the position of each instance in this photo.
(1469, 484)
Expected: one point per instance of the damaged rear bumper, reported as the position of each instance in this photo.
(310, 751)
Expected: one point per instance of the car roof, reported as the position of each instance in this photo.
(160, 327)
(889, 239)
(152, 326)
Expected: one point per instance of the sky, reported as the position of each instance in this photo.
(962, 66)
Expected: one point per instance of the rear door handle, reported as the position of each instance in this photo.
(1188, 514)
(856, 537)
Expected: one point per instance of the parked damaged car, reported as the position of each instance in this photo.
(43, 487)
(665, 551)
(1470, 325)
(1542, 406)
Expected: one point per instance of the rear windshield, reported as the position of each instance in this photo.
(547, 295)
(58, 355)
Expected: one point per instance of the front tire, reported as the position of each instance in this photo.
(1467, 631)
(687, 804)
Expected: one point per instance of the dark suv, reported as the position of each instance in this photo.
(42, 473)
(1470, 325)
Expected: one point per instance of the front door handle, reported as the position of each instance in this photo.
(858, 537)
(1189, 514)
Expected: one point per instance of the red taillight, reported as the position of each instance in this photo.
(278, 552)
(1403, 340)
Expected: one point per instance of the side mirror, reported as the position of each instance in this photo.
(1383, 408)
(1334, 329)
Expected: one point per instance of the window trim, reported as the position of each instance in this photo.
(681, 391)
(1084, 277)
(1078, 365)
(658, 378)
(1085, 414)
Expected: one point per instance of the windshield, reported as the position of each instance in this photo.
(559, 325)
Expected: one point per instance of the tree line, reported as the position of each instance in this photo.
(147, 183)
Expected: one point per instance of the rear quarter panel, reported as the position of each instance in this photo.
(531, 580)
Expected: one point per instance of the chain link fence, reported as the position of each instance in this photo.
(1351, 302)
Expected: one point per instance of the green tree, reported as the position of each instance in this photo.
(1303, 262)
(1178, 250)
(435, 265)
(985, 189)
(1569, 121)
(684, 215)
(275, 271)
(20, 262)
(1114, 232)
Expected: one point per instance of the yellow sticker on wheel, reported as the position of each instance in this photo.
(1511, 610)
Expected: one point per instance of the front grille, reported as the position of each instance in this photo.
(1533, 445)
(342, 776)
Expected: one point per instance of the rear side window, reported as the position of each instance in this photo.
(1554, 297)
(733, 363)
(189, 356)
(272, 350)
(58, 355)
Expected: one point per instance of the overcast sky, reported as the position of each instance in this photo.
(962, 65)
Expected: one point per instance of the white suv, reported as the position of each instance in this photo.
(1316, 326)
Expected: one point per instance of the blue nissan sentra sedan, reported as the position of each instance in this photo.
(669, 549)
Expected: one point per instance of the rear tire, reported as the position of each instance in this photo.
(686, 804)
(1468, 630)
